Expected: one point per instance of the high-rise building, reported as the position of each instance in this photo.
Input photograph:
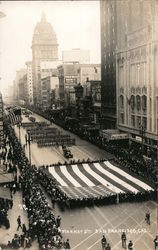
(44, 47)
(76, 55)
(29, 83)
(137, 75)
(108, 14)
(74, 73)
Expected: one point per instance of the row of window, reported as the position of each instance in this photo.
(137, 102)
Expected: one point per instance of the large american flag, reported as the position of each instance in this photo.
(14, 116)
(95, 179)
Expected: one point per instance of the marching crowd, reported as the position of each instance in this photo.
(52, 189)
(43, 225)
(130, 157)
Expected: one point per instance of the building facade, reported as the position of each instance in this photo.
(108, 19)
(137, 75)
(76, 55)
(44, 47)
(72, 74)
(29, 83)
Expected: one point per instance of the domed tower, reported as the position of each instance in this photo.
(44, 47)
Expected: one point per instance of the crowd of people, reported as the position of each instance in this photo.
(43, 225)
(129, 157)
(5, 205)
(56, 194)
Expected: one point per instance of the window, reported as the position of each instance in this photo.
(121, 101)
(144, 102)
(122, 118)
(138, 122)
(133, 121)
(144, 122)
(138, 102)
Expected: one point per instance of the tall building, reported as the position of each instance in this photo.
(19, 75)
(29, 83)
(108, 15)
(74, 73)
(137, 75)
(76, 55)
(44, 47)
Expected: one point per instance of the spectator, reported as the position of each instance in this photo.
(130, 245)
(123, 237)
(19, 222)
(103, 242)
(156, 242)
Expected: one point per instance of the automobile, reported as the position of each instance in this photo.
(67, 152)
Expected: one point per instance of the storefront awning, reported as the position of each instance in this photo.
(112, 134)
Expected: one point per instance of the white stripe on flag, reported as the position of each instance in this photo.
(82, 176)
(116, 179)
(131, 178)
(57, 177)
(101, 180)
(69, 177)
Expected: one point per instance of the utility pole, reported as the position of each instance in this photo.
(28, 140)
(142, 132)
(19, 126)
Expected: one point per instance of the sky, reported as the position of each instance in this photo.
(76, 23)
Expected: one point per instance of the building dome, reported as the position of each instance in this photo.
(44, 33)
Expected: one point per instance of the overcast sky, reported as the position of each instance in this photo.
(76, 23)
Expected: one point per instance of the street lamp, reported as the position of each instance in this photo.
(28, 140)
(19, 126)
(142, 132)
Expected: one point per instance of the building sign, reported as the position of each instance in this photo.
(70, 80)
(138, 138)
(112, 135)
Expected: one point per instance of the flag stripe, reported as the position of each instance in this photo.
(101, 180)
(90, 177)
(123, 173)
(62, 175)
(75, 176)
(82, 176)
(109, 180)
(57, 177)
(95, 180)
(115, 178)
(69, 176)
(103, 164)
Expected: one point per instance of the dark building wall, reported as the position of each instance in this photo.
(108, 62)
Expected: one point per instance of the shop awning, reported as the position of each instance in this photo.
(112, 134)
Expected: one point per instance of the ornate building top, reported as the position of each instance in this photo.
(44, 33)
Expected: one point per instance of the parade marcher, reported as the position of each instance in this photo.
(156, 242)
(24, 229)
(147, 218)
(19, 222)
(58, 221)
(123, 237)
(108, 247)
(103, 242)
(67, 244)
(130, 245)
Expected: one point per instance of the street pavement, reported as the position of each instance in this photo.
(85, 226)
(49, 155)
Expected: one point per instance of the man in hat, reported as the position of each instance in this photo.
(19, 222)
(130, 245)
(156, 242)
(123, 237)
(103, 242)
